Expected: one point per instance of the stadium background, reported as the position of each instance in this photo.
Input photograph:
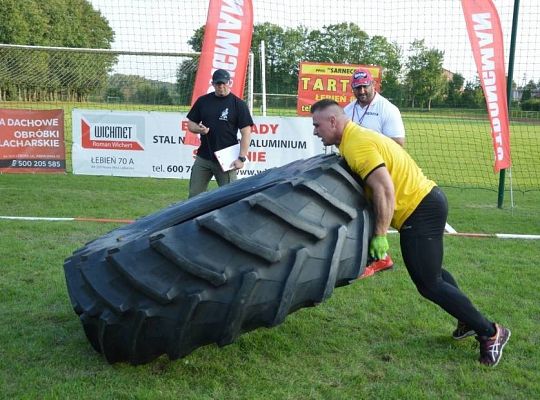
(422, 46)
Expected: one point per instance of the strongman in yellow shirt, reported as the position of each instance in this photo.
(402, 197)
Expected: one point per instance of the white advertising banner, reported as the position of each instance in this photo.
(151, 144)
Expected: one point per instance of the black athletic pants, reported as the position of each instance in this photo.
(421, 240)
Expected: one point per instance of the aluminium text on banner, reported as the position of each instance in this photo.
(485, 35)
(276, 141)
(151, 144)
(226, 44)
(32, 141)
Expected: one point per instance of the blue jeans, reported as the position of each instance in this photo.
(202, 172)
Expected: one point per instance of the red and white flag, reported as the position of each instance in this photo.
(485, 35)
(226, 44)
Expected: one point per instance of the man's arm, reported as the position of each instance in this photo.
(392, 124)
(197, 128)
(245, 133)
(244, 140)
(383, 198)
(399, 140)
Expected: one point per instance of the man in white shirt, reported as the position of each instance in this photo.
(373, 111)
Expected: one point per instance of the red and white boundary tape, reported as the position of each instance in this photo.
(496, 235)
(448, 229)
(452, 232)
(123, 221)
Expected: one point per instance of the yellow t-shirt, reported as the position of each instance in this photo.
(364, 150)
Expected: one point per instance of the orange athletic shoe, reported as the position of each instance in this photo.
(377, 266)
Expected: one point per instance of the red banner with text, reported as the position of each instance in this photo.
(485, 35)
(226, 44)
(32, 141)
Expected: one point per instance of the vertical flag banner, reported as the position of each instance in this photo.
(226, 44)
(485, 35)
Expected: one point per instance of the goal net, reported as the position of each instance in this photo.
(147, 56)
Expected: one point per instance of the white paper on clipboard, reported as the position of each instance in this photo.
(227, 156)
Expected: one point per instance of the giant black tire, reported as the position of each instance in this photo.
(223, 263)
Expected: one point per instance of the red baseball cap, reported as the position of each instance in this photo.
(361, 77)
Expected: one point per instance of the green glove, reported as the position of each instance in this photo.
(378, 247)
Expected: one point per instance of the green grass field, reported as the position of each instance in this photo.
(376, 338)
(457, 151)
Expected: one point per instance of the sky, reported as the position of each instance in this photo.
(166, 25)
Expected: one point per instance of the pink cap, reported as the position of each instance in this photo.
(361, 77)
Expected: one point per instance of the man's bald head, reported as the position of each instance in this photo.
(329, 121)
(327, 104)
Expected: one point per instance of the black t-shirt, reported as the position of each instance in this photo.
(224, 116)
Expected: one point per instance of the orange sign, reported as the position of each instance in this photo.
(317, 81)
(32, 141)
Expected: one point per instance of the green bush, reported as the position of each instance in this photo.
(531, 105)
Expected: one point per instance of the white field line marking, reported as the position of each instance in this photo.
(125, 221)
(451, 232)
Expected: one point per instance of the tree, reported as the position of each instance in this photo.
(388, 55)
(424, 78)
(274, 42)
(528, 90)
(64, 23)
(292, 53)
(346, 43)
(283, 52)
(136, 89)
(196, 41)
(114, 95)
(187, 70)
(152, 94)
(22, 22)
(185, 79)
(473, 96)
(127, 85)
(286, 48)
(454, 90)
(337, 43)
(531, 105)
(74, 23)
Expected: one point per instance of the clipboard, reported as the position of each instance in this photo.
(227, 156)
